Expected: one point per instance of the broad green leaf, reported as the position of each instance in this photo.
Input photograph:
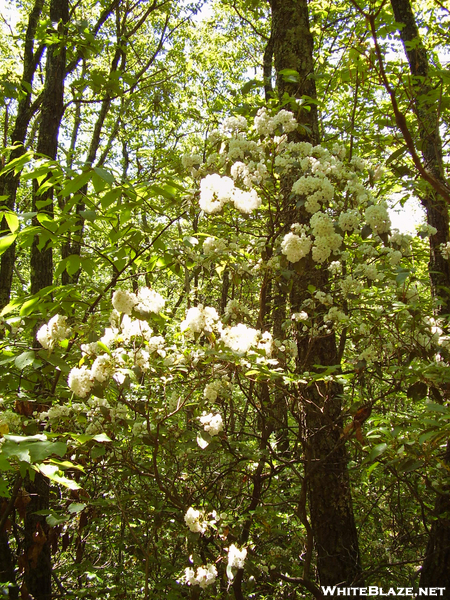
(6, 241)
(25, 359)
(29, 306)
(12, 220)
(377, 451)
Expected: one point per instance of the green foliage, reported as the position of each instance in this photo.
(128, 458)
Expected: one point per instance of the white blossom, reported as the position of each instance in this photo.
(212, 390)
(236, 557)
(377, 217)
(103, 368)
(212, 424)
(80, 381)
(234, 124)
(295, 247)
(195, 520)
(213, 245)
(246, 202)
(54, 331)
(349, 220)
(124, 301)
(445, 250)
(201, 318)
(149, 301)
(205, 576)
(215, 191)
(132, 328)
(240, 338)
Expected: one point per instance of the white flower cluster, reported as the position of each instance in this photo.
(370, 354)
(191, 160)
(212, 424)
(401, 239)
(149, 301)
(326, 239)
(235, 309)
(216, 191)
(80, 381)
(132, 328)
(295, 247)
(300, 316)
(213, 245)
(234, 124)
(335, 267)
(124, 301)
(201, 319)
(317, 189)
(240, 338)
(195, 520)
(336, 315)
(394, 257)
(350, 286)
(349, 220)
(266, 343)
(267, 125)
(144, 302)
(212, 390)
(54, 331)
(377, 217)
(205, 576)
(103, 368)
(236, 557)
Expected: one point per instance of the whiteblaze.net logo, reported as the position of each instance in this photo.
(374, 590)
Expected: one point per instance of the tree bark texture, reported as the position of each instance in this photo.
(293, 49)
(41, 262)
(329, 495)
(426, 108)
(435, 569)
(38, 569)
(10, 182)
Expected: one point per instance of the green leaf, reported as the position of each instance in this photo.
(12, 220)
(397, 154)
(104, 174)
(88, 215)
(201, 441)
(76, 507)
(417, 391)
(54, 474)
(28, 306)
(6, 241)
(25, 359)
(72, 264)
(377, 451)
(76, 183)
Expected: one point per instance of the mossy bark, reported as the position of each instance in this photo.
(326, 474)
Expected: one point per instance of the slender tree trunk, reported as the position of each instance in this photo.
(10, 182)
(41, 262)
(435, 569)
(426, 108)
(330, 502)
(38, 572)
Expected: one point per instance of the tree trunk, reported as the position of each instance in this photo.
(38, 572)
(426, 108)
(38, 569)
(435, 569)
(10, 182)
(330, 502)
(41, 262)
